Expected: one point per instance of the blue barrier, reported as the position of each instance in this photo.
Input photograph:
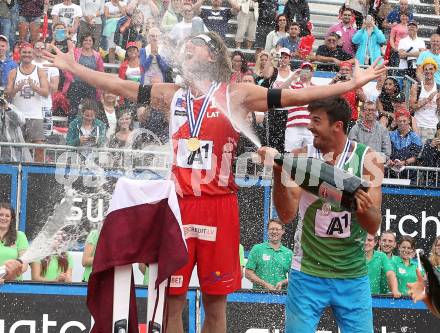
(9, 191)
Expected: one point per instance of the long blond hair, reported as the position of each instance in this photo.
(259, 71)
(223, 65)
(435, 258)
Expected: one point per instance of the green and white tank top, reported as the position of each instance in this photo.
(329, 242)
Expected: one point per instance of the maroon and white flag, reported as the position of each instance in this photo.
(143, 225)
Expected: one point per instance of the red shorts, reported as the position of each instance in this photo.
(212, 233)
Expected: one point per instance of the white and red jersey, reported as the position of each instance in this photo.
(208, 171)
(298, 115)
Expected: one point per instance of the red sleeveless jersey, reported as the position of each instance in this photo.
(207, 171)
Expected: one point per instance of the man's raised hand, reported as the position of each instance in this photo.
(362, 76)
(61, 60)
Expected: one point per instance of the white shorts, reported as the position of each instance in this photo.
(297, 137)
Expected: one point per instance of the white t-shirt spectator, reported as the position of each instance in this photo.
(114, 10)
(67, 14)
(405, 44)
(50, 72)
(181, 31)
(91, 8)
(143, 6)
(371, 93)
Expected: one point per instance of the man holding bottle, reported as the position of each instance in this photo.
(328, 267)
(207, 70)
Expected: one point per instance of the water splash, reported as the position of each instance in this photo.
(194, 76)
(53, 238)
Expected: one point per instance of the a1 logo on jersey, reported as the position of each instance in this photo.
(333, 224)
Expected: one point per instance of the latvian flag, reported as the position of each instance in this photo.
(143, 225)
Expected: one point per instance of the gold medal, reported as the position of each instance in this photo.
(193, 144)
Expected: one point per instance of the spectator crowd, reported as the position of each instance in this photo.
(274, 44)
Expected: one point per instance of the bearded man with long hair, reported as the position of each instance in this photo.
(203, 111)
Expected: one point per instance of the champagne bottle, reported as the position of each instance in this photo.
(334, 185)
(3, 272)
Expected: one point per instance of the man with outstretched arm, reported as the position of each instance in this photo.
(204, 142)
(328, 266)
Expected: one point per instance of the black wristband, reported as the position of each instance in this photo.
(144, 94)
(274, 98)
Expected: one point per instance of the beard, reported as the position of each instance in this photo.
(196, 70)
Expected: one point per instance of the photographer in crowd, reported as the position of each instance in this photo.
(10, 131)
(353, 97)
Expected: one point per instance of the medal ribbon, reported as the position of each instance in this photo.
(343, 157)
(196, 124)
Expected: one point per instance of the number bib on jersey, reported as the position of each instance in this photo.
(332, 224)
(200, 159)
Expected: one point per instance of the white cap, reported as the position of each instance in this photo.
(285, 50)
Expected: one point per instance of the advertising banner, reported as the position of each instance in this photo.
(36, 308)
(254, 208)
(414, 212)
(249, 312)
(44, 187)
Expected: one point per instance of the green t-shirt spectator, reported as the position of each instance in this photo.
(384, 288)
(269, 264)
(378, 266)
(13, 252)
(92, 239)
(53, 269)
(405, 274)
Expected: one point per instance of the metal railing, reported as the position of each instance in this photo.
(152, 157)
(158, 159)
(416, 175)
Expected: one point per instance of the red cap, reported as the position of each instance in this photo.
(25, 44)
(307, 64)
(402, 112)
(132, 44)
(345, 64)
